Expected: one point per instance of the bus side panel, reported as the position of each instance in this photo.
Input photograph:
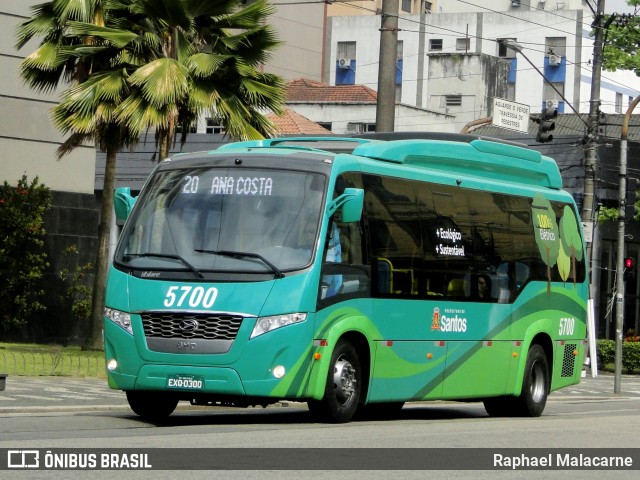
(407, 371)
(555, 314)
(478, 369)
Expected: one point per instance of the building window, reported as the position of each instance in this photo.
(406, 6)
(453, 100)
(504, 51)
(213, 126)
(435, 44)
(549, 93)
(346, 63)
(193, 128)
(360, 127)
(346, 49)
(556, 46)
(618, 103)
(463, 44)
(427, 7)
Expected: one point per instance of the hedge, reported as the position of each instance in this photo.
(606, 351)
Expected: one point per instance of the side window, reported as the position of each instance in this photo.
(395, 239)
(345, 270)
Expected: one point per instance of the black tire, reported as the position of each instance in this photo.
(535, 384)
(343, 388)
(154, 406)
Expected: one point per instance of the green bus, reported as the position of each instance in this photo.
(351, 274)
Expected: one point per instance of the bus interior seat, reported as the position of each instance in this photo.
(384, 275)
(456, 288)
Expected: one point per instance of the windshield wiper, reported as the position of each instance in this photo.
(166, 255)
(228, 253)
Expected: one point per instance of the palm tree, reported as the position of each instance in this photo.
(136, 65)
(203, 56)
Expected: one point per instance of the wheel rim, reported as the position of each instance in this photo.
(344, 381)
(538, 383)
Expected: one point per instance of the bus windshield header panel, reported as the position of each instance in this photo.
(199, 221)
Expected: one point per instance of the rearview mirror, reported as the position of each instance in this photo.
(123, 202)
(351, 202)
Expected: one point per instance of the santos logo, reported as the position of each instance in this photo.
(445, 323)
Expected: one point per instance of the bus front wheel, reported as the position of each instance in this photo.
(151, 405)
(343, 387)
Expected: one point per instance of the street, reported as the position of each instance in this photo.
(70, 413)
(68, 394)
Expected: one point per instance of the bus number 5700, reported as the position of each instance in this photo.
(178, 296)
(567, 326)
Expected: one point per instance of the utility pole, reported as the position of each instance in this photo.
(386, 105)
(623, 202)
(588, 203)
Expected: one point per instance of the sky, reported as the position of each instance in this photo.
(618, 6)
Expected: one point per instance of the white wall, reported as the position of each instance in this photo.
(407, 118)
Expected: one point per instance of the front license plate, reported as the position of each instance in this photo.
(188, 382)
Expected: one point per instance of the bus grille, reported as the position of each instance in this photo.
(568, 360)
(209, 326)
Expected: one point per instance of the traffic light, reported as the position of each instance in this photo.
(629, 269)
(631, 195)
(546, 125)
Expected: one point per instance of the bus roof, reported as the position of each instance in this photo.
(453, 153)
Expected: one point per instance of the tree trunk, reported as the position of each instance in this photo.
(94, 339)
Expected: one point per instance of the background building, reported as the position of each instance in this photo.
(441, 58)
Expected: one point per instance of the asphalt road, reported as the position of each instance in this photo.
(60, 394)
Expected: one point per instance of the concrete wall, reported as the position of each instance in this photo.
(28, 140)
(300, 27)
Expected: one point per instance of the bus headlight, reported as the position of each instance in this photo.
(266, 324)
(120, 318)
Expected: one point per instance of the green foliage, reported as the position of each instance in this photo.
(78, 294)
(607, 214)
(622, 43)
(606, 351)
(23, 259)
(610, 214)
(631, 356)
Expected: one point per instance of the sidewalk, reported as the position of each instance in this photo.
(65, 394)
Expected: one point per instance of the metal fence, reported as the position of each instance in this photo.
(63, 364)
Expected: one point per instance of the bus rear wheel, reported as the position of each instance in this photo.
(535, 384)
(535, 390)
(343, 387)
(153, 406)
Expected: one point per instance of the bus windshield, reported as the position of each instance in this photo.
(224, 220)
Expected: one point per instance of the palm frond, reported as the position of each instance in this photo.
(163, 81)
(41, 24)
